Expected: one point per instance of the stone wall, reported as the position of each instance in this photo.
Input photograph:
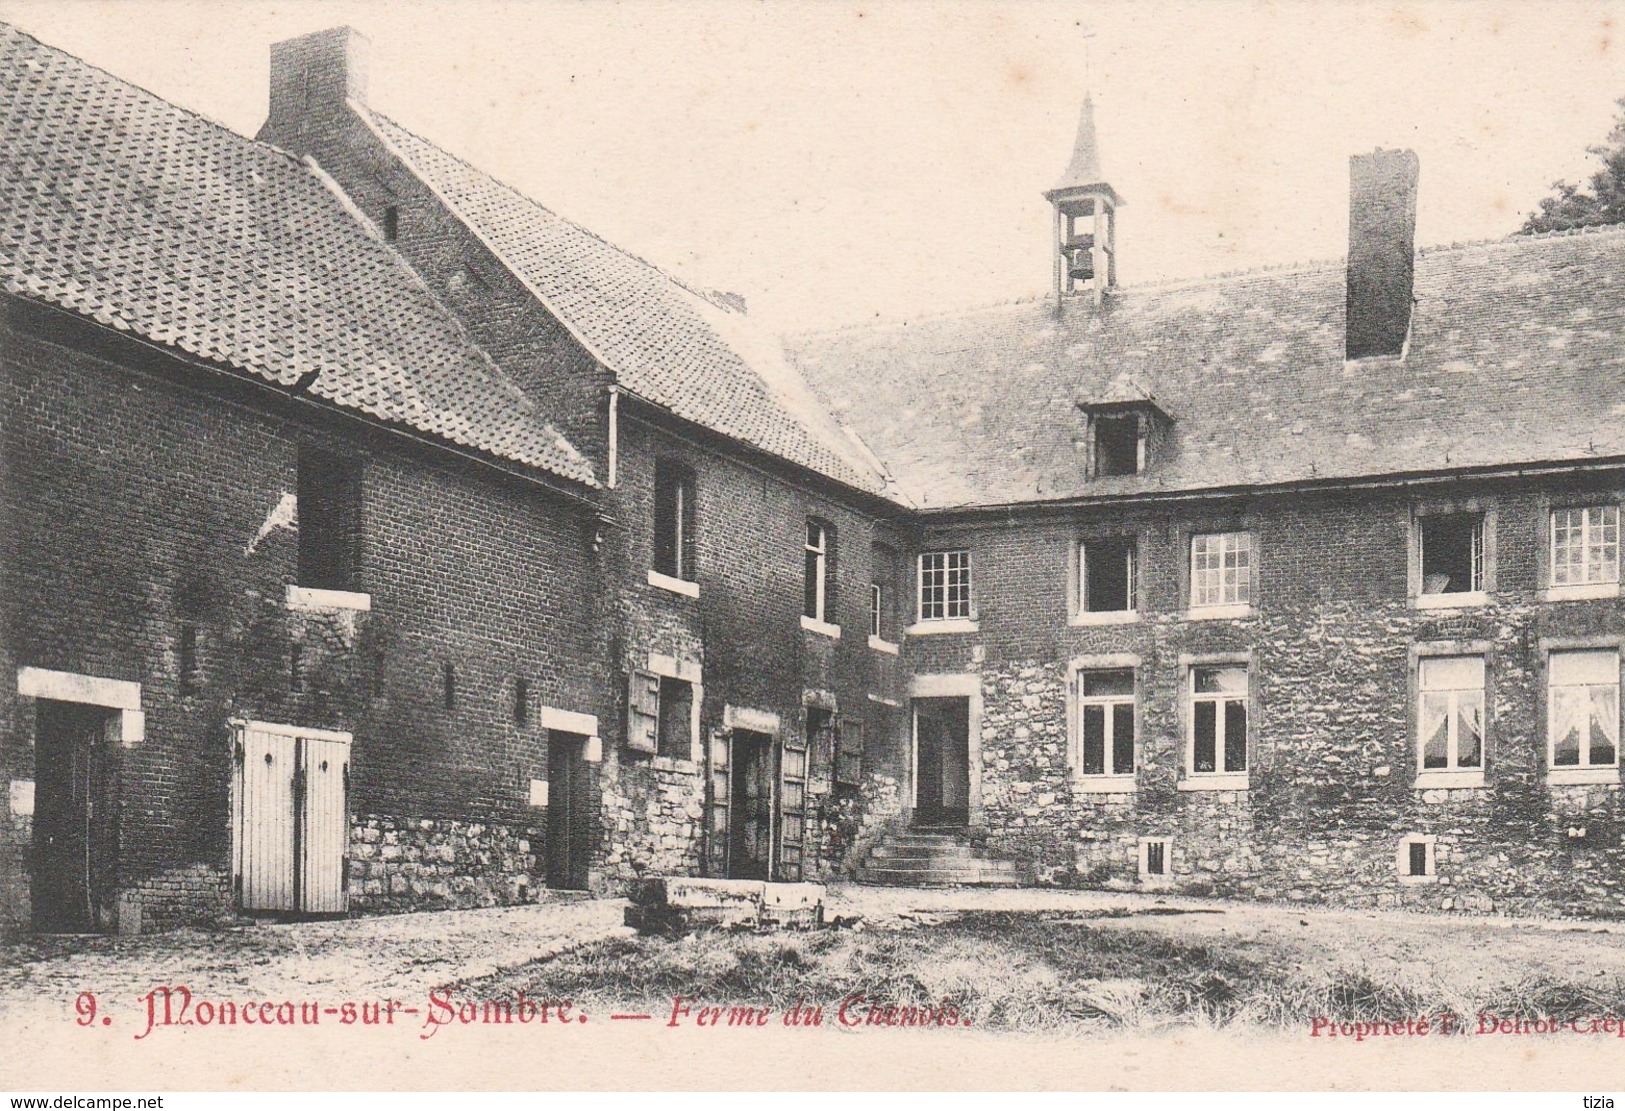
(401, 864)
(1332, 767)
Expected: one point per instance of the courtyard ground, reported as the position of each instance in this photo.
(1098, 989)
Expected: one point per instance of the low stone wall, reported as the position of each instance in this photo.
(196, 894)
(653, 815)
(399, 864)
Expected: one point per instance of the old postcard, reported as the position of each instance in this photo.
(921, 546)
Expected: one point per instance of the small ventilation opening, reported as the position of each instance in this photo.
(186, 653)
(448, 677)
(1154, 857)
(521, 700)
(1417, 859)
(392, 224)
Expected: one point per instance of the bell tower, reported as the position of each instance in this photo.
(1085, 218)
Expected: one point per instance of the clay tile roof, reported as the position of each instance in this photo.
(1516, 356)
(664, 342)
(123, 208)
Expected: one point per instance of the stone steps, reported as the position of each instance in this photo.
(935, 858)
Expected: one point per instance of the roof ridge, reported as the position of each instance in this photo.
(1167, 284)
(582, 228)
(142, 89)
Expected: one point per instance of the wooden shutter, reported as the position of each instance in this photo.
(717, 803)
(792, 810)
(687, 564)
(643, 712)
(829, 574)
(849, 753)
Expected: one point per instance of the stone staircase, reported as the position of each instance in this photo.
(932, 857)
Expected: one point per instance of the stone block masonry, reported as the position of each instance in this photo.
(1331, 788)
(428, 864)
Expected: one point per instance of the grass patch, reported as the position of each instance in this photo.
(1032, 972)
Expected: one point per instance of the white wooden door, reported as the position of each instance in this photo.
(325, 825)
(266, 764)
(291, 818)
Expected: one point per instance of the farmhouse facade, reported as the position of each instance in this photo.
(374, 538)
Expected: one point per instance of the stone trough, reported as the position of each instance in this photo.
(676, 905)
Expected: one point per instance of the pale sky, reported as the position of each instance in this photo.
(834, 162)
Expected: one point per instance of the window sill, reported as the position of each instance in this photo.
(1574, 777)
(1210, 782)
(676, 586)
(309, 598)
(945, 625)
(1406, 878)
(822, 628)
(1106, 617)
(1449, 780)
(674, 764)
(1217, 613)
(885, 646)
(1579, 592)
(1460, 600)
(1104, 784)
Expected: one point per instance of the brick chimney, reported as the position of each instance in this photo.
(1382, 251)
(312, 77)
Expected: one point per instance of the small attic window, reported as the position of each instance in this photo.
(1118, 448)
(392, 224)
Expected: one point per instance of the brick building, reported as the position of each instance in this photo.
(300, 588)
(1294, 584)
(375, 538)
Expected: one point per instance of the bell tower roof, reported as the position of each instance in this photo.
(1083, 174)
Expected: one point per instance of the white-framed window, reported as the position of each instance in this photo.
(944, 585)
(819, 594)
(1450, 713)
(1585, 545)
(1451, 549)
(1221, 569)
(877, 607)
(1218, 717)
(1582, 708)
(1107, 575)
(1106, 722)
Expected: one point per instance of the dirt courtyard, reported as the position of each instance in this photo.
(1140, 970)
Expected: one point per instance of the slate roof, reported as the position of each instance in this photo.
(148, 219)
(663, 342)
(1517, 355)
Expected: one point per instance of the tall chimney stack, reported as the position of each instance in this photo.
(1382, 251)
(312, 78)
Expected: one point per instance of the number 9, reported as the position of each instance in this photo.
(85, 1006)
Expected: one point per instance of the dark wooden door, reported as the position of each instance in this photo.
(75, 818)
(942, 761)
(754, 774)
(569, 811)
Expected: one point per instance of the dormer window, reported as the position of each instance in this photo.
(1124, 427)
(1119, 449)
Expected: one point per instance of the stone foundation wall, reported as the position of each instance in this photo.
(192, 895)
(1332, 768)
(653, 817)
(401, 864)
